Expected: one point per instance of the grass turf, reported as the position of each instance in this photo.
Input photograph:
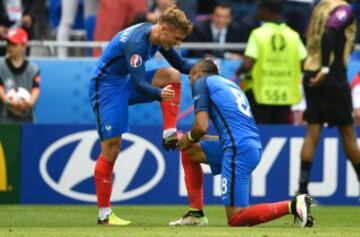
(78, 221)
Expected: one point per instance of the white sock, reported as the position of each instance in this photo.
(168, 132)
(104, 212)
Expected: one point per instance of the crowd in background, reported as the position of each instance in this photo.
(218, 21)
(99, 20)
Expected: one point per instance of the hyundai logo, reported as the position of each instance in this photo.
(80, 166)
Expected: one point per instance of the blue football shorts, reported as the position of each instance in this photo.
(110, 99)
(235, 179)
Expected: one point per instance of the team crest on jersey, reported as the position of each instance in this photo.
(136, 60)
(342, 15)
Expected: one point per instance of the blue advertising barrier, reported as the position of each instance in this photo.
(58, 162)
(64, 92)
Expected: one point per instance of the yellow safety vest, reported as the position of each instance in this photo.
(276, 74)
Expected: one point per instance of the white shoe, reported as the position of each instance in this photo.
(303, 204)
(191, 218)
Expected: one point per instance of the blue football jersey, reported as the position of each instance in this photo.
(230, 112)
(125, 56)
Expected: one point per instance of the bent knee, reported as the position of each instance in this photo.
(174, 76)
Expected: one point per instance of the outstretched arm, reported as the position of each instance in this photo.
(201, 123)
(176, 60)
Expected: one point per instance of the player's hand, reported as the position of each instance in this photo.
(183, 143)
(315, 81)
(167, 93)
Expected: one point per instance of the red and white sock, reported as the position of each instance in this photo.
(170, 111)
(103, 184)
(259, 214)
(193, 181)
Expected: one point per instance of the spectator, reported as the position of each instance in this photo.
(69, 8)
(247, 24)
(206, 7)
(218, 29)
(242, 8)
(297, 13)
(330, 40)
(156, 9)
(114, 15)
(14, 14)
(42, 24)
(189, 7)
(159, 6)
(274, 54)
(18, 74)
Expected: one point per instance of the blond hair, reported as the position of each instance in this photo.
(175, 17)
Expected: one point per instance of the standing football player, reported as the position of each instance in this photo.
(121, 80)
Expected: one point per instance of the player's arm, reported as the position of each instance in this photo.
(201, 123)
(134, 55)
(339, 19)
(176, 60)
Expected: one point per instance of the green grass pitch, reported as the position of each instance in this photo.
(78, 221)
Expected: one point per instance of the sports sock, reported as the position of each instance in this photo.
(104, 212)
(259, 214)
(103, 181)
(357, 170)
(304, 176)
(170, 109)
(193, 181)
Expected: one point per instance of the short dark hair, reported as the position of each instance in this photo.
(208, 66)
(223, 5)
(275, 6)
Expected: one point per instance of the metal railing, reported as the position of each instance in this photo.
(51, 46)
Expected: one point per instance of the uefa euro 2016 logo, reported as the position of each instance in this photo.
(136, 60)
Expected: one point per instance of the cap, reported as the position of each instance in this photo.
(17, 36)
